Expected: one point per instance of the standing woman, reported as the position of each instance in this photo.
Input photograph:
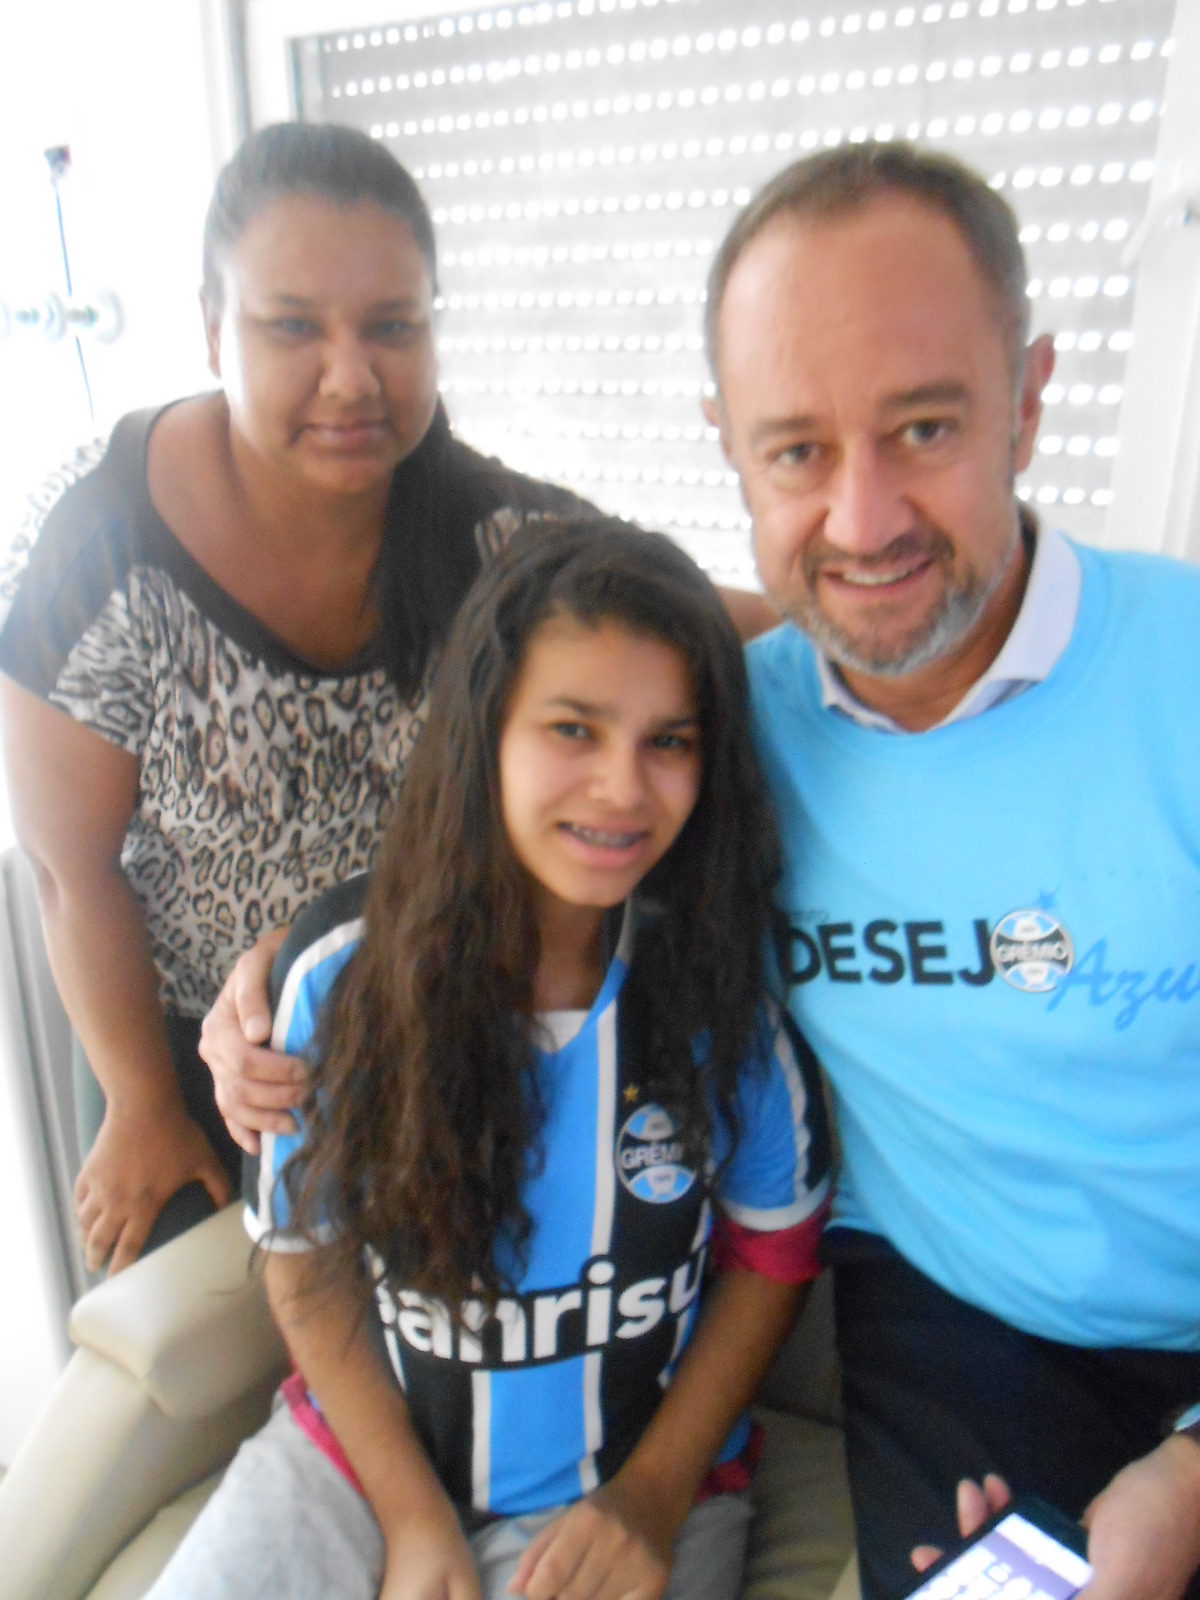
(216, 647)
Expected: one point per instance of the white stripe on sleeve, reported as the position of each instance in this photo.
(336, 939)
(606, 1111)
(481, 1440)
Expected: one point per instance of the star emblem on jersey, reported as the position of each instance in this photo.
(631, 1093)
(1032, 951)
(650, 1157)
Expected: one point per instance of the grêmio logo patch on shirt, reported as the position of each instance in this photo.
(650, 1157)
(1032, 951)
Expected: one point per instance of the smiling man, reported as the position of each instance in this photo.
(992, 870)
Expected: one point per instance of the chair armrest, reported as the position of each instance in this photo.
(177, 1361)
(189, 1322)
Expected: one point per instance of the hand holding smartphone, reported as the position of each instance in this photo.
(1027, 1551)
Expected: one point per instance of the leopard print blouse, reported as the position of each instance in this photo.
(263, 780)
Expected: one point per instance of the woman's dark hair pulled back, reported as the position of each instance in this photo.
(332, 163)
(424, 1102)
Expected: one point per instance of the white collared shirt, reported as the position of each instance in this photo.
(1039, 636)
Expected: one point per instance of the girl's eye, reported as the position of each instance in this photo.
(673, 741)
(577, 731)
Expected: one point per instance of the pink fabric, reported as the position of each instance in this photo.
(788, 1255)
(310, 1421)
(733, 1477)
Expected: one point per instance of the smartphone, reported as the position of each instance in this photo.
(1028, 1551)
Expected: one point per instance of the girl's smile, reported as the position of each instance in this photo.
(599, 759)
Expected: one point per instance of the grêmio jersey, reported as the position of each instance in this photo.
(539, 1402)
(995, 953)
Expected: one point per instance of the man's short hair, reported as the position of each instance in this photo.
(835, 181)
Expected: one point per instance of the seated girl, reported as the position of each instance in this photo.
(547, 1091)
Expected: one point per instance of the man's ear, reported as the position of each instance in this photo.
(212, 335)
(714, 415)
(1035, 375)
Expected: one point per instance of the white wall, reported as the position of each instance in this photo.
(1156, 485)
(123, 83)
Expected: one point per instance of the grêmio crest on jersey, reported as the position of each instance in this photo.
(650, 1157)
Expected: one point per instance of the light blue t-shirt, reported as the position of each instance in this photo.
(995, 953)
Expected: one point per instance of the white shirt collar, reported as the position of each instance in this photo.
(1038, 638)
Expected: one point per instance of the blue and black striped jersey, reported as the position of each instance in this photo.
(540, 1400)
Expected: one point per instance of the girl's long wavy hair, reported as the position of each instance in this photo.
(423, 1109)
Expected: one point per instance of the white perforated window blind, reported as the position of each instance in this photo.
(584, 158)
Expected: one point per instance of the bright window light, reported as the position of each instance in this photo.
(543, 250)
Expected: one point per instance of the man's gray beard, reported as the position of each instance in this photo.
(958, 613)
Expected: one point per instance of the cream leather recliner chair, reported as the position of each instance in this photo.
(176, 1362)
